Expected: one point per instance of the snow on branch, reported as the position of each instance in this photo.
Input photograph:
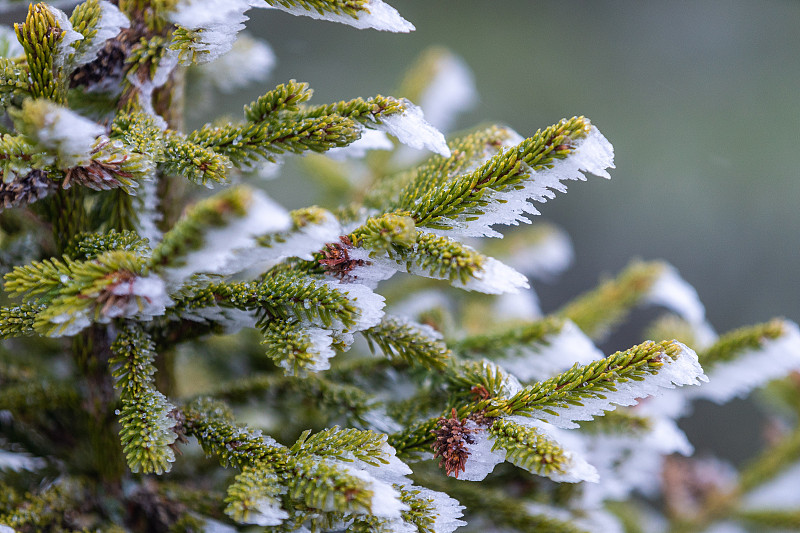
(584, 392)
(374, 14)
(747, 358)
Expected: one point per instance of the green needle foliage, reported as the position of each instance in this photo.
(176, 359)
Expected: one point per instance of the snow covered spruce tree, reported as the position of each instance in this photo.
(178, 361)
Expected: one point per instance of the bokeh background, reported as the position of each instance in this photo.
(701, 100)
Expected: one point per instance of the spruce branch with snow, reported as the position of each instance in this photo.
(179, 359)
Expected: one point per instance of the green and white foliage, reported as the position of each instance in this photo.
(148, 321)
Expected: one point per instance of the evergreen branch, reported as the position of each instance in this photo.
(45, 509)
(43, 278)
(533, 351)
(381, 233)
(312, 227)
(30, 399)
(296, 348)
(367, 112)
(18, 321)
(78, 293)
(394, 191)
(749, 357)
(284, 97)
(481, 379)
(344, 444)
(580, 393)
(20, 156)
(187, 234)
(40, 36)
(196, 163)
(290, 295)
(416, 344)
(211, 233)
(430, 255)
(471, 202)
(319, 484)
(338, 7)
(212, 423)
(254, 496)
(438, 257)
(528, 449)
(146, 416)
(585, 391)
(140, 132)
(601, 309)
(248, 143)
(87, 246)
(85, 20)
(97, 22)
(732, 344)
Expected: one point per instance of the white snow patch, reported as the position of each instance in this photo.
(598, 521)
(413, 130)
(380, 16)
(232, 319)
(683, 370)
(726, 527)
(385, 501)
(267, 512)
(70, 324)
(628, 463)
(220, 244)
(213, 526)
(752, 368)
(447, 509)
(320, 350)
(369, 304)
(482, 459)
(147, 213)
(70, 135)
(295, 243)
(379, 420)
(111, 22)
(166, 66)
(495, 278)
(147, 297)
